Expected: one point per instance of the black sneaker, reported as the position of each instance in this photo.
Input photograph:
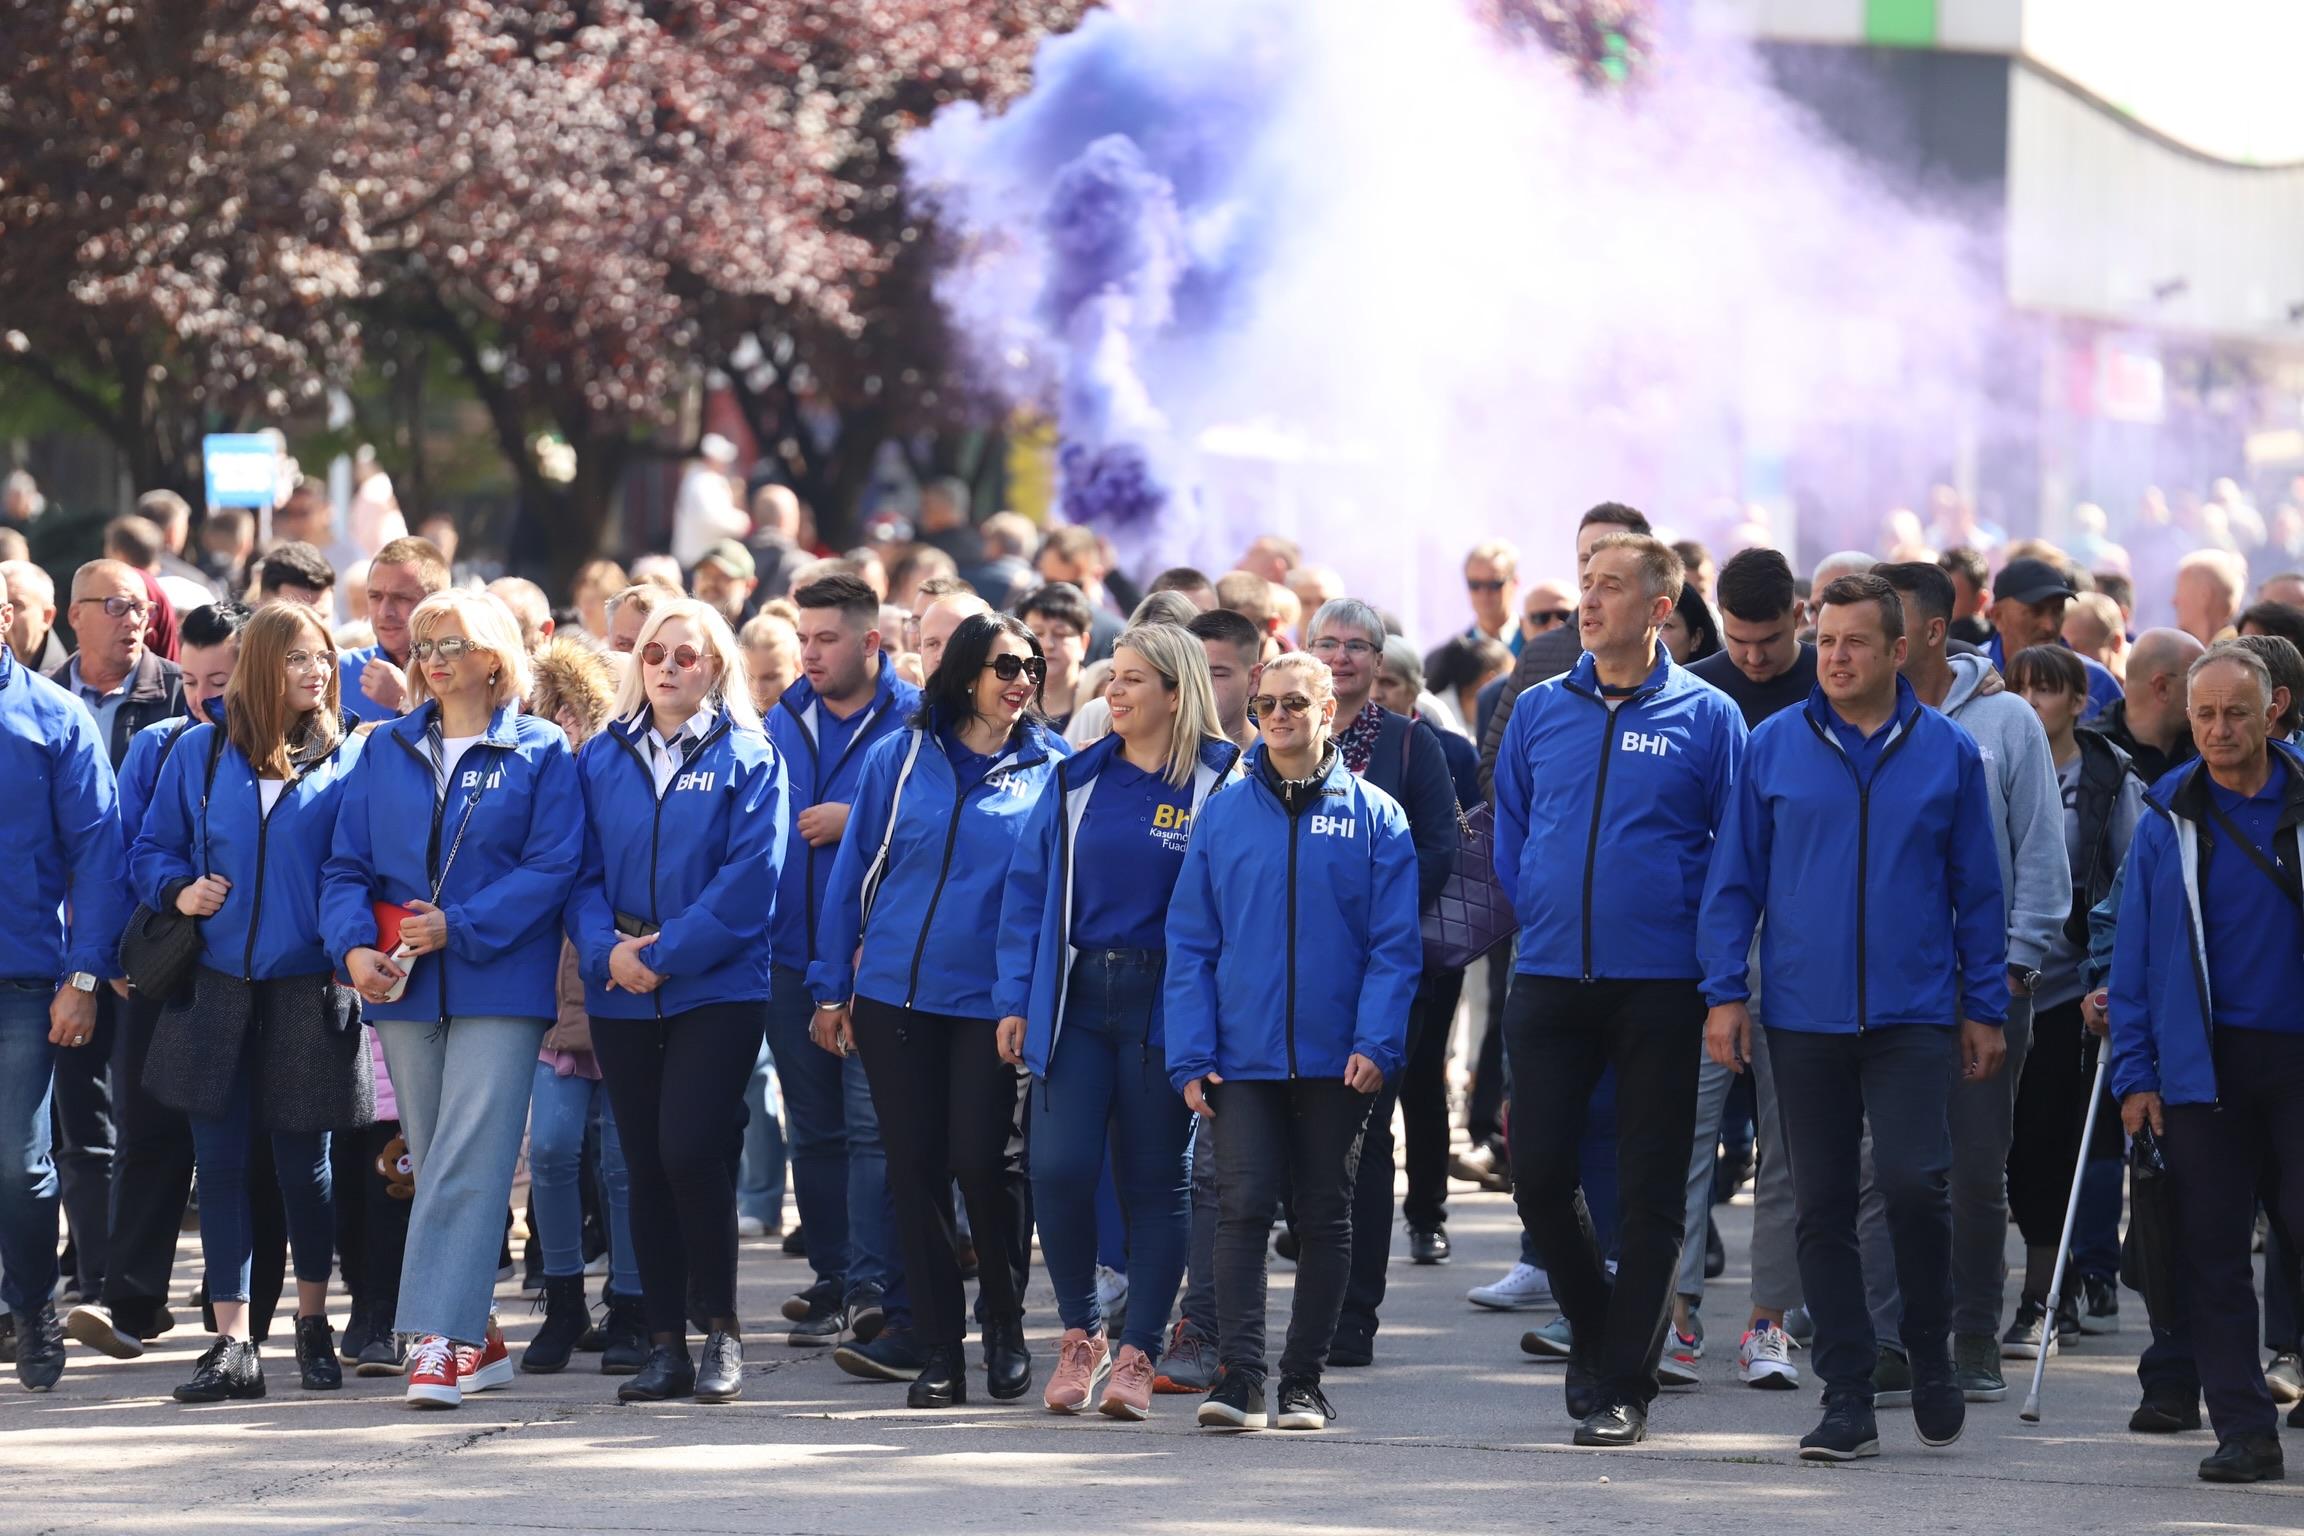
(814, 1302)
(1429, 1247)
(866, 1314)
(7, 1338)
(1354, 1343)
(2028, 1334)
(359, 1328)
(1302, 1405)
(1939, 1411)
(230, 1371)
(894, 1356)
(2245, 1459)
(1848, 1432)
(2172, 1416)
(796, 1243)
(1235, 1402)
(822, 1331)
(2067, 1322)
(317, 1368)
(624, 1338)
(1891, 1379)
(94, 1325)
(2100, 1305)
(386, 1355)
(39, 1348)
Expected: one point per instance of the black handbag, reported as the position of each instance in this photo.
(159, 949)
(1472, 913)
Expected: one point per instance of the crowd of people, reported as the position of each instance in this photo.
(1062, 910)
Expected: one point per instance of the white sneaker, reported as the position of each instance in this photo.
(751, 1226)
(1523, 1289)
(2284, 1378)
(1111, 1290)
(1764, 1358)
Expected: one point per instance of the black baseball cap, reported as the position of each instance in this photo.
(2030, 581)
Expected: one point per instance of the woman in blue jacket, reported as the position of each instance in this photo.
(1082, 946)
(1294, 948)
(904, 977)
(458, 815)
(239, 824)
(685, 814)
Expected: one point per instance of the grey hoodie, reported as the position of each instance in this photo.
(2027, 811)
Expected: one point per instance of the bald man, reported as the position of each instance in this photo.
(2287, 587)
(123, 683)
(936, 625)
(2209, 584)
(2150, 723)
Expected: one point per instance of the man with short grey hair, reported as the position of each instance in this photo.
(32, 634)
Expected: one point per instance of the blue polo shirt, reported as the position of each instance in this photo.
(968, 768)
(1125, 858)
(2255, 933)
(1864, 751)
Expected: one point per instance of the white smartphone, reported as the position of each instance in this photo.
(401, 958)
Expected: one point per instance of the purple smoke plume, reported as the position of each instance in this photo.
(1368, 275)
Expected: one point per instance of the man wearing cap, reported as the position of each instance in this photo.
(2028, 602)
(726, 578)
(705, 509)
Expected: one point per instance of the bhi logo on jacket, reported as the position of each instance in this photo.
(1659, 746)
(473, 780)
(702, 781)
(1334, 826)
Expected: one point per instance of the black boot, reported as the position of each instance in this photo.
(1007, 1363)
(2245, 1459)
(230, 1370)
(316, 1363)
(39, 1348)
(943, 1379)
(565, 1319)
(624, 1339)
(670, 1372)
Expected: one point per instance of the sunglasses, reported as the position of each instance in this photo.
(687, 658)
(1011, 667)
(1483, 586)
(1550, 615)
(1263, 706)
(448, 648)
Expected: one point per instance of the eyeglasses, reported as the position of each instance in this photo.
(1329, 645)
(1264, 705)
(1010, 667)
(119, 607)
(1549, 617)
(687, 658)
(447, 648)
(310, 661)
(1483, 586)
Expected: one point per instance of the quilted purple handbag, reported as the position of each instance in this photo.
(1472, 913)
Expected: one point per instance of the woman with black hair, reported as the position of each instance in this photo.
(903, 976)
(1690, 632)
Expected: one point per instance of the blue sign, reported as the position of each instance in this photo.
(242, 469)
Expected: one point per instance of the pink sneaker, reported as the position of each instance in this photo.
(1080, 1363)
(1129, 1394)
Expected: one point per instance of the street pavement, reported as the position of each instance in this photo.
(1453, 1430)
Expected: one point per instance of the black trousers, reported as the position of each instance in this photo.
(677, 1087)
(2051, 1108)
(1299, 1139)
(1561, 1036)
(1484, 1108)
(948, 1113)
(1424, 1100)
(1372, 1183)
(151, 1175)
(1826, 1087)
(83, 1136)
(371, 1226)
(2223, 1158)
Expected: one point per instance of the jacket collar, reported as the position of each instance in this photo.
(8, 665)
(1083, 766)
(500, 732)
(1584, 677)
(2186, 788)
(1908, 706)
(802, 696)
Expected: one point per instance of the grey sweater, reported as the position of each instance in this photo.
(2027, 811)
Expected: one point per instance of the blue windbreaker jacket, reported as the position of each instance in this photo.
(2163, 1025)
(54, 771)
(923, 945)
(1884, 904)
(1605, 820)
(1036, 906)
(270, 923)
(1293, 941)
(509, 819)
(349, 666)
(148, 749)
(701, 861)
(795, 725)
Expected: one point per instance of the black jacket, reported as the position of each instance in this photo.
(1548, 655)
(1409, 764)
(2150, 762)
(2103, 768)
(155, 692)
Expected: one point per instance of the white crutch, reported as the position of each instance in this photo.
(2031, 1413)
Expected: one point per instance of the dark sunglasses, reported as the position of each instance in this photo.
(1010, 667)
(1294, 704)
(685, 658)
(1483, 586)
(1550, 615)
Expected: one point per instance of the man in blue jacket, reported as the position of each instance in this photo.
(1610, 785)
(2207, 1040)
(1862, 830)
(847, 698)
(61, 912)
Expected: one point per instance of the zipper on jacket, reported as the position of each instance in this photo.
(815, 787)
(656, 824)
(1295, 833)
(256, 908)
(1592, 841)
(1863, 851)
(432, 860)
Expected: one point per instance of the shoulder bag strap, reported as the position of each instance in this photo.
(879, 869)
(2279, 871)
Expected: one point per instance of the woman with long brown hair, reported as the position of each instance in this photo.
(239, 825)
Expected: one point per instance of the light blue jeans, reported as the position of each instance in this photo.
(27, 1162)
(562, 1108)
(463, 1089)
(760, 1188)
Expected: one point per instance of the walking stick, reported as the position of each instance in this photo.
(2031, 1412)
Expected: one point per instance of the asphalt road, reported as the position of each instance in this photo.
(1452, 1430)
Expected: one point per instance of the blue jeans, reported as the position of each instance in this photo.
(872, 1255)
(560, 1109)
(816, 1127)
(463, 1089)
(760, 1183)
(1105, 1090)
(27, 1161)
(220, 1146)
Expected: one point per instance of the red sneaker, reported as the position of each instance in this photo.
(433, 1374)
(486, 1367)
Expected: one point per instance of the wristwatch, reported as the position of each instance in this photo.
(2031, 980)
(81, 981)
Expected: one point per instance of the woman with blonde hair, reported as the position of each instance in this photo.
(239, 822)
(1082, 949)
(685, 814)
(452, 859)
